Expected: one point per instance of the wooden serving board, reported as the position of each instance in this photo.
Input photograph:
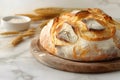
(72, 66)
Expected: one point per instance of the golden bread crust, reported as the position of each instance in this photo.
(46, 40)
(82, 35)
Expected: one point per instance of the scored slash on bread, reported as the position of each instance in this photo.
(96, 34)
(82, 35)
(91, 24)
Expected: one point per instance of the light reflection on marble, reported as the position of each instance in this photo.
(17, 63)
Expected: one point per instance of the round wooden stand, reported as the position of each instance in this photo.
(72, 66)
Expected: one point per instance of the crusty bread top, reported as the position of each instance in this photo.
(85, 35)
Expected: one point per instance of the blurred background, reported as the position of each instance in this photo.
(11, 7)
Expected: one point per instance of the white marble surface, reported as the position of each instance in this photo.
(17, 63)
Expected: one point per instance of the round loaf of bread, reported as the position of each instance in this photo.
(82, 35)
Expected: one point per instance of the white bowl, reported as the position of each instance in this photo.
(15, 23)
